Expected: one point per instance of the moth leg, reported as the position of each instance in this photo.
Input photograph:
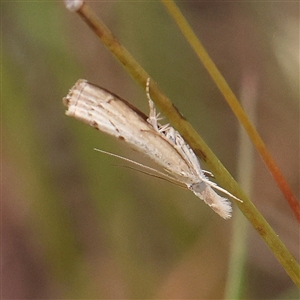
(153, 116)
(208, 174)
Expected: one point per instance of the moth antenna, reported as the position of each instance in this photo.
(166, 178)
(148, 88)
(160, 175)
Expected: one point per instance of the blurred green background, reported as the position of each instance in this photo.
(75, 223)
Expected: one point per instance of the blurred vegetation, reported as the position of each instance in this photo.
(78, 225)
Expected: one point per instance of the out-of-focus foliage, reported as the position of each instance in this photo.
(76, 224)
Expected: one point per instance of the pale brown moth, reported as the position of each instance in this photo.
(109, 113)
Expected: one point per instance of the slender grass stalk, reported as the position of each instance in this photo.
(234, 105)
(190, 135)
(236, 275)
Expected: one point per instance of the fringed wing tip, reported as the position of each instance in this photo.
(219, 204)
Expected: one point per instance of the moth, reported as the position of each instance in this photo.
(110, 114)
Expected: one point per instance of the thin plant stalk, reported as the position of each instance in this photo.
(234, 105)
(236, 271)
